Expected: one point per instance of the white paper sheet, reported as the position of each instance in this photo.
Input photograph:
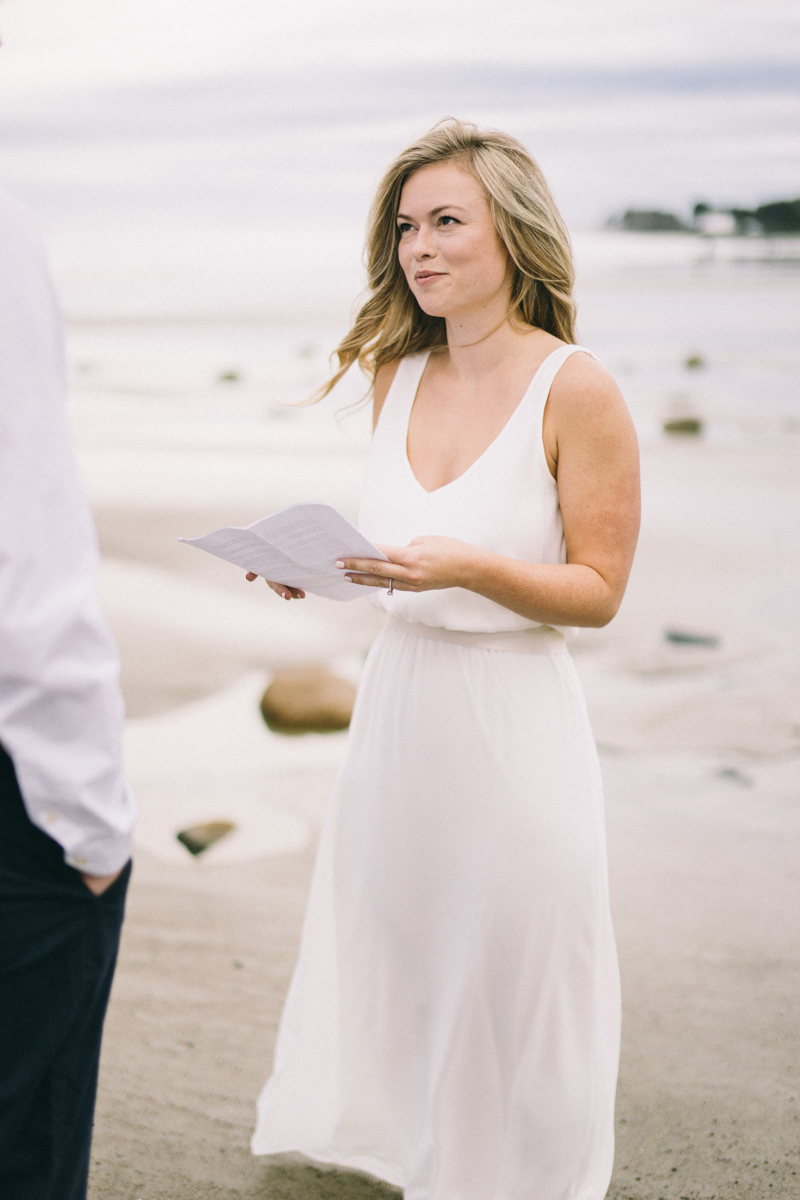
(297, 546)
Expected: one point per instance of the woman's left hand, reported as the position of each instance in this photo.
(423, 565)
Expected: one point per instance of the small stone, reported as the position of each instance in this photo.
(684, 425)
(198, 838)
(736, 776)
(684, 637)
(308, 700)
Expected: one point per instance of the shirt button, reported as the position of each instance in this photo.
(79, 862)
(51, 817)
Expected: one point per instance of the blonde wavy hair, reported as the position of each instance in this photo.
(390, 323)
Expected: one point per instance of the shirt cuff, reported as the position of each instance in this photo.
(102, 860)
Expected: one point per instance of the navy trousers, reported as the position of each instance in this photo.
(58, 949)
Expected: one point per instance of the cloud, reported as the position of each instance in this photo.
(50, 46)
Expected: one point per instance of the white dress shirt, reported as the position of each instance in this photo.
(61, 710)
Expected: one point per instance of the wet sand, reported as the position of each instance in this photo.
(708, 1098)
(705, 903)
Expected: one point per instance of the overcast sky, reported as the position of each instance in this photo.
(65, 44)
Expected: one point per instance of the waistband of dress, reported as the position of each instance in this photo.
(538, 639)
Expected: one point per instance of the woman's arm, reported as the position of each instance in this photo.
(591, 447)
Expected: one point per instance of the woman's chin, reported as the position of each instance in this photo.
(430, 307)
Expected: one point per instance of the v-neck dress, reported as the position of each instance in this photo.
(452, 1026)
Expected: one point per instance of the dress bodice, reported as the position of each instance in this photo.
(506, 501)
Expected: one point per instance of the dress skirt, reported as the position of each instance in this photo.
(452, 1026)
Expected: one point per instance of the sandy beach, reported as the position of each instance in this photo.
(201, 175)
(700, 746)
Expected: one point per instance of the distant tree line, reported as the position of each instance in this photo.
(780, 217)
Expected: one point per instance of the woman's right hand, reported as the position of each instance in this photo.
(280, 589)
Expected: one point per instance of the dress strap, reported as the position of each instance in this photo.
(544, 377)
(401, 395)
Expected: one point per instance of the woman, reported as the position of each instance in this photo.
(452, 1026)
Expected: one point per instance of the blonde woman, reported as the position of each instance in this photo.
(453, 1022)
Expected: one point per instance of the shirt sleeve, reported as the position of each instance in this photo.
(61, 710)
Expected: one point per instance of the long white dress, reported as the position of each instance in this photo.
(452, 1025)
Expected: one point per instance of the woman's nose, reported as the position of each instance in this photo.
(423, 243)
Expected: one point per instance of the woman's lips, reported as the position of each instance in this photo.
(427, 276)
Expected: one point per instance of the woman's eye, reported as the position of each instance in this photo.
(404, 226)
(448, 220)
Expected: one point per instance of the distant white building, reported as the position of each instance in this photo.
(715, 224)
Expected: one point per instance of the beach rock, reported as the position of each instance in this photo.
(685, 637)
(684, 426)
(736, 776)
(198, 838)
(308, 700)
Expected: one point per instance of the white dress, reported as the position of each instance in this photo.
(452, 1025)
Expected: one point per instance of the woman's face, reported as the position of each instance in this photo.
(453, 259)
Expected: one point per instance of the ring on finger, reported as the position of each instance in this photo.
(391, 587)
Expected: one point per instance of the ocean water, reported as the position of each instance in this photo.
(249, 195)
(199, 230)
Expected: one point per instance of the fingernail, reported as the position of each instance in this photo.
(338, 563)
(348, 578)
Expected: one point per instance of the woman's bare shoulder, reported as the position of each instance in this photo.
(584, 387)
(586, 409)
(384, 377)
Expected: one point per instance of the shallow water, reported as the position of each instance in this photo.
(229, 389)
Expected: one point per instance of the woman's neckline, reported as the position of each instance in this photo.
(500, 433)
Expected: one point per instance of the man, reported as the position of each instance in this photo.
(66, 813)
